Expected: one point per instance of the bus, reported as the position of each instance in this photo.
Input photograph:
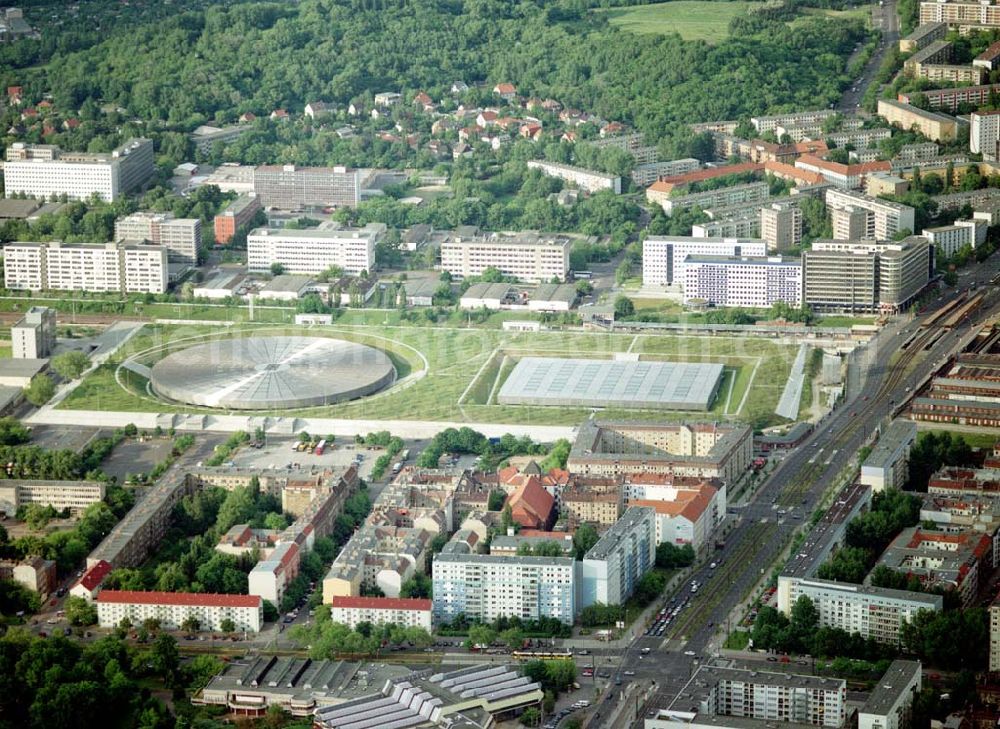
(320, 447)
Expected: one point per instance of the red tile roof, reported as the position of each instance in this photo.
(187, 599)
(94, 576)
(530, 504)
(788, 172)
(711, 173)
(848, 170)
(382, 603)
(505, 88)
(990, 53)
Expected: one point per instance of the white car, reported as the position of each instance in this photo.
(690, 654)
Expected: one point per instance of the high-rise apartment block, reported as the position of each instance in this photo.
(747, 281)
(855, 213)
(43, 170)
(289, 187)
(664, 256)
(34, 336)
(781, 226)
(314, 250)
(960, 14)
(485, 587)
(612, 568)
(238, 214)
(111, 267)
(984, 134)
(180, 236)
(526, 256)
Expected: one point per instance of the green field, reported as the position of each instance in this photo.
(691, 19)
(464, 369)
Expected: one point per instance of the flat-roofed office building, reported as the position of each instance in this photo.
(290, 187)
(80, 267)
(315, 250)
(180, 236)
(527, 256)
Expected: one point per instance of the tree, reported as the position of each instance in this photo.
(12, 432)
(496, 501)
(670, 556)
(531, 717)
(40, 390)
(151, 624)
(164, 656)
(227, 625)
(79, 612)
(418, 586)
(190, 624)
(70, 365)
(624, 307)
(277, 269)
(480, 635)
(584, 538)
(513, 638)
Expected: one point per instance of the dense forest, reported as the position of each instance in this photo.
(219, 62)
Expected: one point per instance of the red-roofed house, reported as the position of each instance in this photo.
(90, 584)
(247, 117)
(531, 505)
(279, 114)
(687, 520)
(408, 612)
(505, 91)
(531, 131)
(14, 93)
(172, 609)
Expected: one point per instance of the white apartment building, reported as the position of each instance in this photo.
(528, 257)
(950, 239)
(613, 567)
(781, 226)
(315, 250)
(649, 172)
(664, 256)
(173, 608)
(688, 518)
(984, 134)
(485, 587)
(887, 466)
(874, 612)
(721, 197)
(589, 180)
(73, 495)
(79, 267)
(995, 636)
(771, 123)
(890, 704)
(881, 219)
(180, 236)
(42, 170)
(407, 612)
(748, 281)
(269, 577)
(34, 336)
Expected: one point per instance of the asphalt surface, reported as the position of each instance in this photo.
(886, 18)
(889, 375)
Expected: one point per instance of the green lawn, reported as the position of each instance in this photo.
(691, 19)
(457, 358)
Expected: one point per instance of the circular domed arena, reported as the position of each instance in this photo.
(271, 372)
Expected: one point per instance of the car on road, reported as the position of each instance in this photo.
(629, 673)
(646, 650)
(690, 654)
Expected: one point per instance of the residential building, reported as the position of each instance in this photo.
(950, 73)
(951, 98)
(874, 612)
(406, 612)
(949, 561)
(888, 464)
(645, 174)
(938, 51)
(960, 14)
(746, 227)
(664, 257)
(704, 450)
(882, 183)
(205, 136)
(890, 704)
(878, 219)
(719, 197)
(34, 336)
(612, 568)
(82, 267)
(377, 556)
(504, 545)
(588, 180)
(845, 177)
(933, 125)
(73, 495)
(531, 506)
(173, 609)
(238, 214)
(91, 581)
(269, 577)
(180, 236)
(34, 573)
(591, 500)
(289, 187)
(995, 635)
(950, 239)
(44, 170)
(922, 35)
(781, 226)
(737, 697)
(527, 256)
(743, 281)
(314, 250)
(984, 134)
(689, 518)
(771, 123)
(486, 587)
(680, 183)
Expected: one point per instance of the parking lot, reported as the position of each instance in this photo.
(282, 453)
(58, 437)
(132, 456)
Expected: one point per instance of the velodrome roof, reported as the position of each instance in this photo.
(604, 383)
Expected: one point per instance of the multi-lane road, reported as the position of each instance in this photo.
(884, 18)
(886, 376)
